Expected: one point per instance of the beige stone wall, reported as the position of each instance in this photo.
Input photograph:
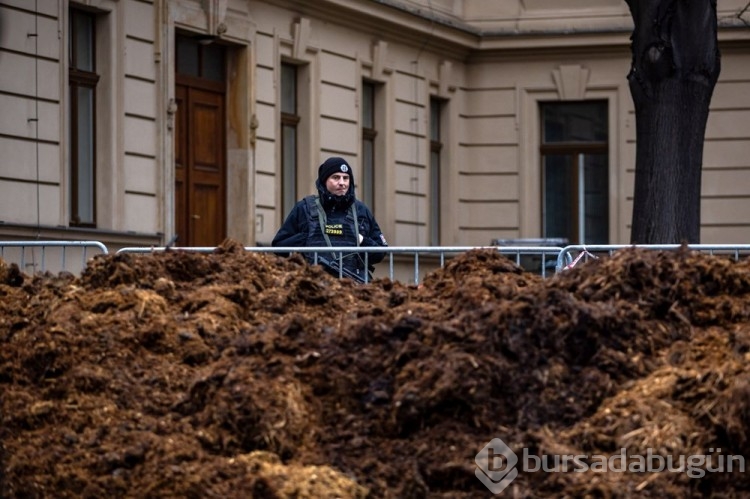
(492, 187)
(333, 59)
(726, 157)
(30, 126)
(507, 171)
(492, 63)
(135, 101)
(34, 185)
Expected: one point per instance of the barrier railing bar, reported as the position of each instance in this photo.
(43, 246)
(97, 244)
(564, 256)
(518, 251)
(561, 254)
(416, 268)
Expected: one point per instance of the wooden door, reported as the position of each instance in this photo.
(200, 166)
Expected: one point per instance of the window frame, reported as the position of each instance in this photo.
(81, 79)
(204, 52)
(436, 110)
(289, 122)
(369, 145)
(576, 150)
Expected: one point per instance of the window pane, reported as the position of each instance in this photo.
(289, 168)
(558, 210)
(435, 167)
(213, 62)
(187, 56)
(288, 89)
(435, 198)
(85, 150)
(367, 187)
(368, 173)
(368, 111)
(575, 122)
(82, 28)
(596, 202)
(435, 120)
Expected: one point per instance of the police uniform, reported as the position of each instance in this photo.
(329, 220)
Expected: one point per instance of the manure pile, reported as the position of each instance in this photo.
(239, 375)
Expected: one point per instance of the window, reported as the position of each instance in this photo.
(436, 147)
(82, 78)
(289, 123)
(575, 172)
(368, 144)
(196, 57)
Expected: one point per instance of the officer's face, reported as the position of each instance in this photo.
(338, 183)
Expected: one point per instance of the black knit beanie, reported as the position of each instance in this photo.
(331, 166)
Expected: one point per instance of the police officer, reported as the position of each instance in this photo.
(334, 217)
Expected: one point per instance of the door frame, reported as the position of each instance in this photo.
(240, 115)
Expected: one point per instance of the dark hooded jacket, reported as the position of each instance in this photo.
(302, 228)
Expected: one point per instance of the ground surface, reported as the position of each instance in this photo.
(244, 375)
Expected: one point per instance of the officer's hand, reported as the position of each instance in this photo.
(361, 238)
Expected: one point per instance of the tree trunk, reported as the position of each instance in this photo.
(675, 66)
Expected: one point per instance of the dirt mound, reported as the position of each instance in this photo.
(236, 374)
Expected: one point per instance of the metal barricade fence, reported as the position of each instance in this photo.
(55, 256)
(437, 255)
(72, 256)
(567, 259)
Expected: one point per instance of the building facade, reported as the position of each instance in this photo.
(133, 122)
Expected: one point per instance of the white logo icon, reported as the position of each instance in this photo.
(496, 465)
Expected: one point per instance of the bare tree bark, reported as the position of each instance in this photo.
(676, 64)
(741, 13)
